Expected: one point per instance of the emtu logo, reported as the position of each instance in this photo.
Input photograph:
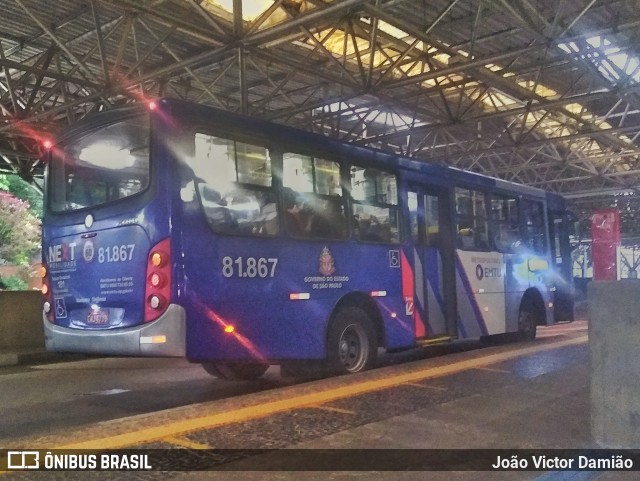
(23, 460)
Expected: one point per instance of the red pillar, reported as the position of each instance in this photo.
(605, 234)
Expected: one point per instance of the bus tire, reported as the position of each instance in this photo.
(235, 371)
(351, 343)
(527, 323)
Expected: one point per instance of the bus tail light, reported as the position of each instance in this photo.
(158, 285)
(46, 293)
(157, 280)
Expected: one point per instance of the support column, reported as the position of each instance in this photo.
(614, 345)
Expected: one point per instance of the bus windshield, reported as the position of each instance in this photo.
(108, 164)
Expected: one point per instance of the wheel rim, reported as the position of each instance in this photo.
(353, 348)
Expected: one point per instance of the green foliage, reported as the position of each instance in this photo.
(22, 190)
(19, 231)
(14, 283)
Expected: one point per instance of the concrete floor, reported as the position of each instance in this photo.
(513, 396)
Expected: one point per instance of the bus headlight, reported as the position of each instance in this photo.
(47, 307)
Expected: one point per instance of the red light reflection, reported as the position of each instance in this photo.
(41, 138)
(229, 329)
(397, 317)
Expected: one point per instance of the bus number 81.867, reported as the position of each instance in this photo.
(249, 267)
(120, 253)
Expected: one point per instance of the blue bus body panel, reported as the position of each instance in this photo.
(268, 323)
(98, 289)
(97, 277)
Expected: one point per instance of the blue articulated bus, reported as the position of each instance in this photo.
(174, 229)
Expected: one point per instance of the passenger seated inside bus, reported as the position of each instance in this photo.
(312, 215)
(216, 208)
(370, 228)
(298, 216)
(268, 220)
(240, 210)
(328, 218)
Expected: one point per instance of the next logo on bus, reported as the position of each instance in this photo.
(62, 252)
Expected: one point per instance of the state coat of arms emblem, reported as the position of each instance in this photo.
(326, 263)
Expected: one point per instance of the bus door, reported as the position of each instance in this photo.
(433, 261)
(563, 294)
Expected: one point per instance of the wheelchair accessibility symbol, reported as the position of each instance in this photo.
(394, 258)
(61, 308)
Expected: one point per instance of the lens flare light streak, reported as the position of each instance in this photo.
(230, 330)
(154, 106)
(393, 314)
(42, 138)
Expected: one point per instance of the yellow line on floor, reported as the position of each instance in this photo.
(506, 371)
(247, 413)
(324, 407)
(185, 443)
(425, 386)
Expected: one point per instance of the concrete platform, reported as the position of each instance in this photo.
(30, 356)
(512, 396)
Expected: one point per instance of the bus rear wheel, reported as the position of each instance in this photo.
(351, 344)
(235, 371)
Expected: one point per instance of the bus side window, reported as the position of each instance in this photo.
(534, 226)
(431, 220)
(471, 219)
(375, 205)
(234, 185)
(312, 197)
(505, 223)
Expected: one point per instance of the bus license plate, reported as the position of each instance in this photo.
(98, 317)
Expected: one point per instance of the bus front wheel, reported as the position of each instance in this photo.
(531, 314)
(527, 325)
(352, 344)
(235, 371)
